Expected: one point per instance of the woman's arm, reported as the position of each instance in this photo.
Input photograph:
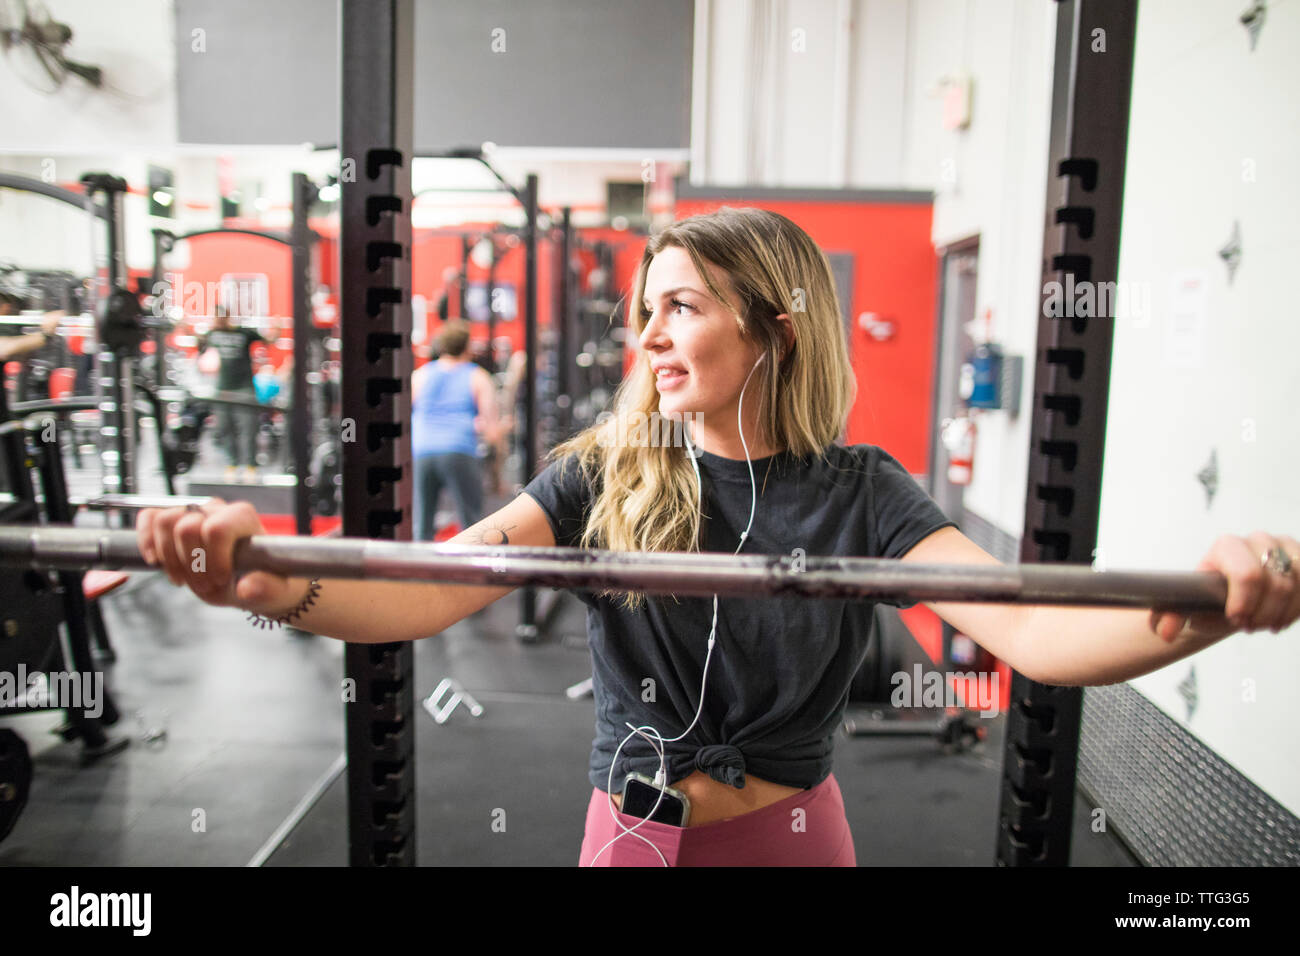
(14, 347)
(1086, 646)
(995, 627)
(377, 612)
(368, 612)
(1092, 646)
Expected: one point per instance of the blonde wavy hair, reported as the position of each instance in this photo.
(646, 493)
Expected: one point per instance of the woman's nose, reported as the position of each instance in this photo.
(653, 330)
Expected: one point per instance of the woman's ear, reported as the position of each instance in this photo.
(787, 335)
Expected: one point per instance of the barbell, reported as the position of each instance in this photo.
(53, 547)
(66, 326)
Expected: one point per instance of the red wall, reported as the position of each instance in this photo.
(212, 256)
(894, 275)
(433, 252)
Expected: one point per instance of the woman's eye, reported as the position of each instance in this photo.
(647, 312)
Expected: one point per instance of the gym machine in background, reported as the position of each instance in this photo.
(121, 330)
(42, 291)
(119, 316)
(490, 306)
(527, 629)
(122, 377)
(592, 339)
(313, 433)
(47, 618)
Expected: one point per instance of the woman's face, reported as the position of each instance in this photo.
(697, 336)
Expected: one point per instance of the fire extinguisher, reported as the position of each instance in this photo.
(958, 437)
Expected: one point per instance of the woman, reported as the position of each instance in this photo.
(451, 399)
(742, 343)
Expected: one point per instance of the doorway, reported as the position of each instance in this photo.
(958, 280)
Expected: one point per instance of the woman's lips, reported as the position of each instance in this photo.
(669, 380)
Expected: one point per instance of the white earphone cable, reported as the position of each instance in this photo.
(660, 774)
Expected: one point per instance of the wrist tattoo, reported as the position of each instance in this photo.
(313, 589)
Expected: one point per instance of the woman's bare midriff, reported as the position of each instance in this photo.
(712, 801)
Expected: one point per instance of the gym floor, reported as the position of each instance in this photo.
(252, 724)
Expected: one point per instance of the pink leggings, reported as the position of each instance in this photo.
(804, 829)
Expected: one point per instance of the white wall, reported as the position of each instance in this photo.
(886, 75)
(990, 180)
(574, 178)
(798, 132)
(1212, 139)
(131, 40)
(879, 93)
(37, 232)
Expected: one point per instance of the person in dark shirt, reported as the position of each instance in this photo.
(734, 703)
(237, 425)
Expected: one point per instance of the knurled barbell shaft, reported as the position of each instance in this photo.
(50, 547)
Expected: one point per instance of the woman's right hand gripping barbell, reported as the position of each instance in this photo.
(196, 546)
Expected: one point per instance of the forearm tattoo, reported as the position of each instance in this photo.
(490, 534)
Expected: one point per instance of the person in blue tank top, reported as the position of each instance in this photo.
(453, 407)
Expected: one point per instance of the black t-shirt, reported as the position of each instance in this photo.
(233, 346)
(779, 680)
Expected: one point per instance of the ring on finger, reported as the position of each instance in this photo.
(1276, 559)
